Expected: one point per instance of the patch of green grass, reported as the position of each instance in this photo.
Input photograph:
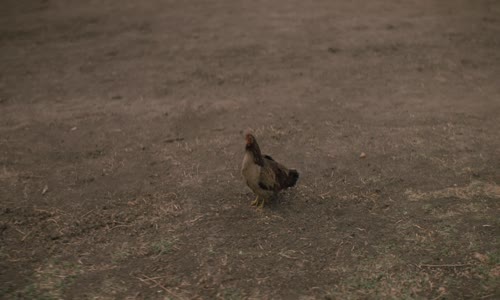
(368, 283)
(162, 247)
(33, 291)
(121, 253)
(5, 291)
(486, 268)
(3, 254)
(427, 207)
(120, 256)
(51, 280)
(232, 294)
(66, 282)
(494, 258)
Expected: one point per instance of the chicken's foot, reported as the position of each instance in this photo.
(256, 201)
(261, 204)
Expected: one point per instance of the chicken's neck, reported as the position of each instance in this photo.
(254, 151)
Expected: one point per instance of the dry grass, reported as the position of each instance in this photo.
(135, 126)
(473, 190)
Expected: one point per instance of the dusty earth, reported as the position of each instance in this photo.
(121, 141)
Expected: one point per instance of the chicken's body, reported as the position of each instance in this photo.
(251, 173)
(264, 176)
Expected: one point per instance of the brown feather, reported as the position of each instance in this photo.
(271, 176)
(280, 173)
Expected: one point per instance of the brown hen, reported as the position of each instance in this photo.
(264, 176)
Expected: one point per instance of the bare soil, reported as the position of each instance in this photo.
(121, 141)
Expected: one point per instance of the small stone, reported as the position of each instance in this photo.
(333, 50)
(362, 155)
(481, 257)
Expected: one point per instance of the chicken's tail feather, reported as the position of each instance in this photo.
(293, 176)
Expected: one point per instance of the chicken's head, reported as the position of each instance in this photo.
(250, 139)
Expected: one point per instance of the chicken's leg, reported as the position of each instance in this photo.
(261, 204)
(256, 201)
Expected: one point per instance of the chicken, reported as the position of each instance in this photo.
(264, 176)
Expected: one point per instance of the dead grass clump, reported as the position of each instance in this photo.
(474, 189)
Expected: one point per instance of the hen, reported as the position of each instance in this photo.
(264, 176)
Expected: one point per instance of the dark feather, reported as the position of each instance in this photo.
(293, 176)
(265, 187)
(268, 157)
(275, 177)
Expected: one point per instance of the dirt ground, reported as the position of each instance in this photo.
(121, 142)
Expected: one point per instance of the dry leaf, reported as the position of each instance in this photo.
(495, 272)
(481, 257)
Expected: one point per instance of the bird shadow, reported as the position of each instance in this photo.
(279, 201)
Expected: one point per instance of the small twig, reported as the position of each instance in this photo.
(338, 251)
(439, 296)
(54, 221)
(18, 230)
(150, 278)
(172, 193)
(279, 217)
(158, 285)
(26, 235)
(283, 253)
(419, 227)
(195, 219)
(287, 256)
(443, 266)
(87, 213)
(142, 280)
(117, 226)
(324, 195)
(45, 189)
(43, 210)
